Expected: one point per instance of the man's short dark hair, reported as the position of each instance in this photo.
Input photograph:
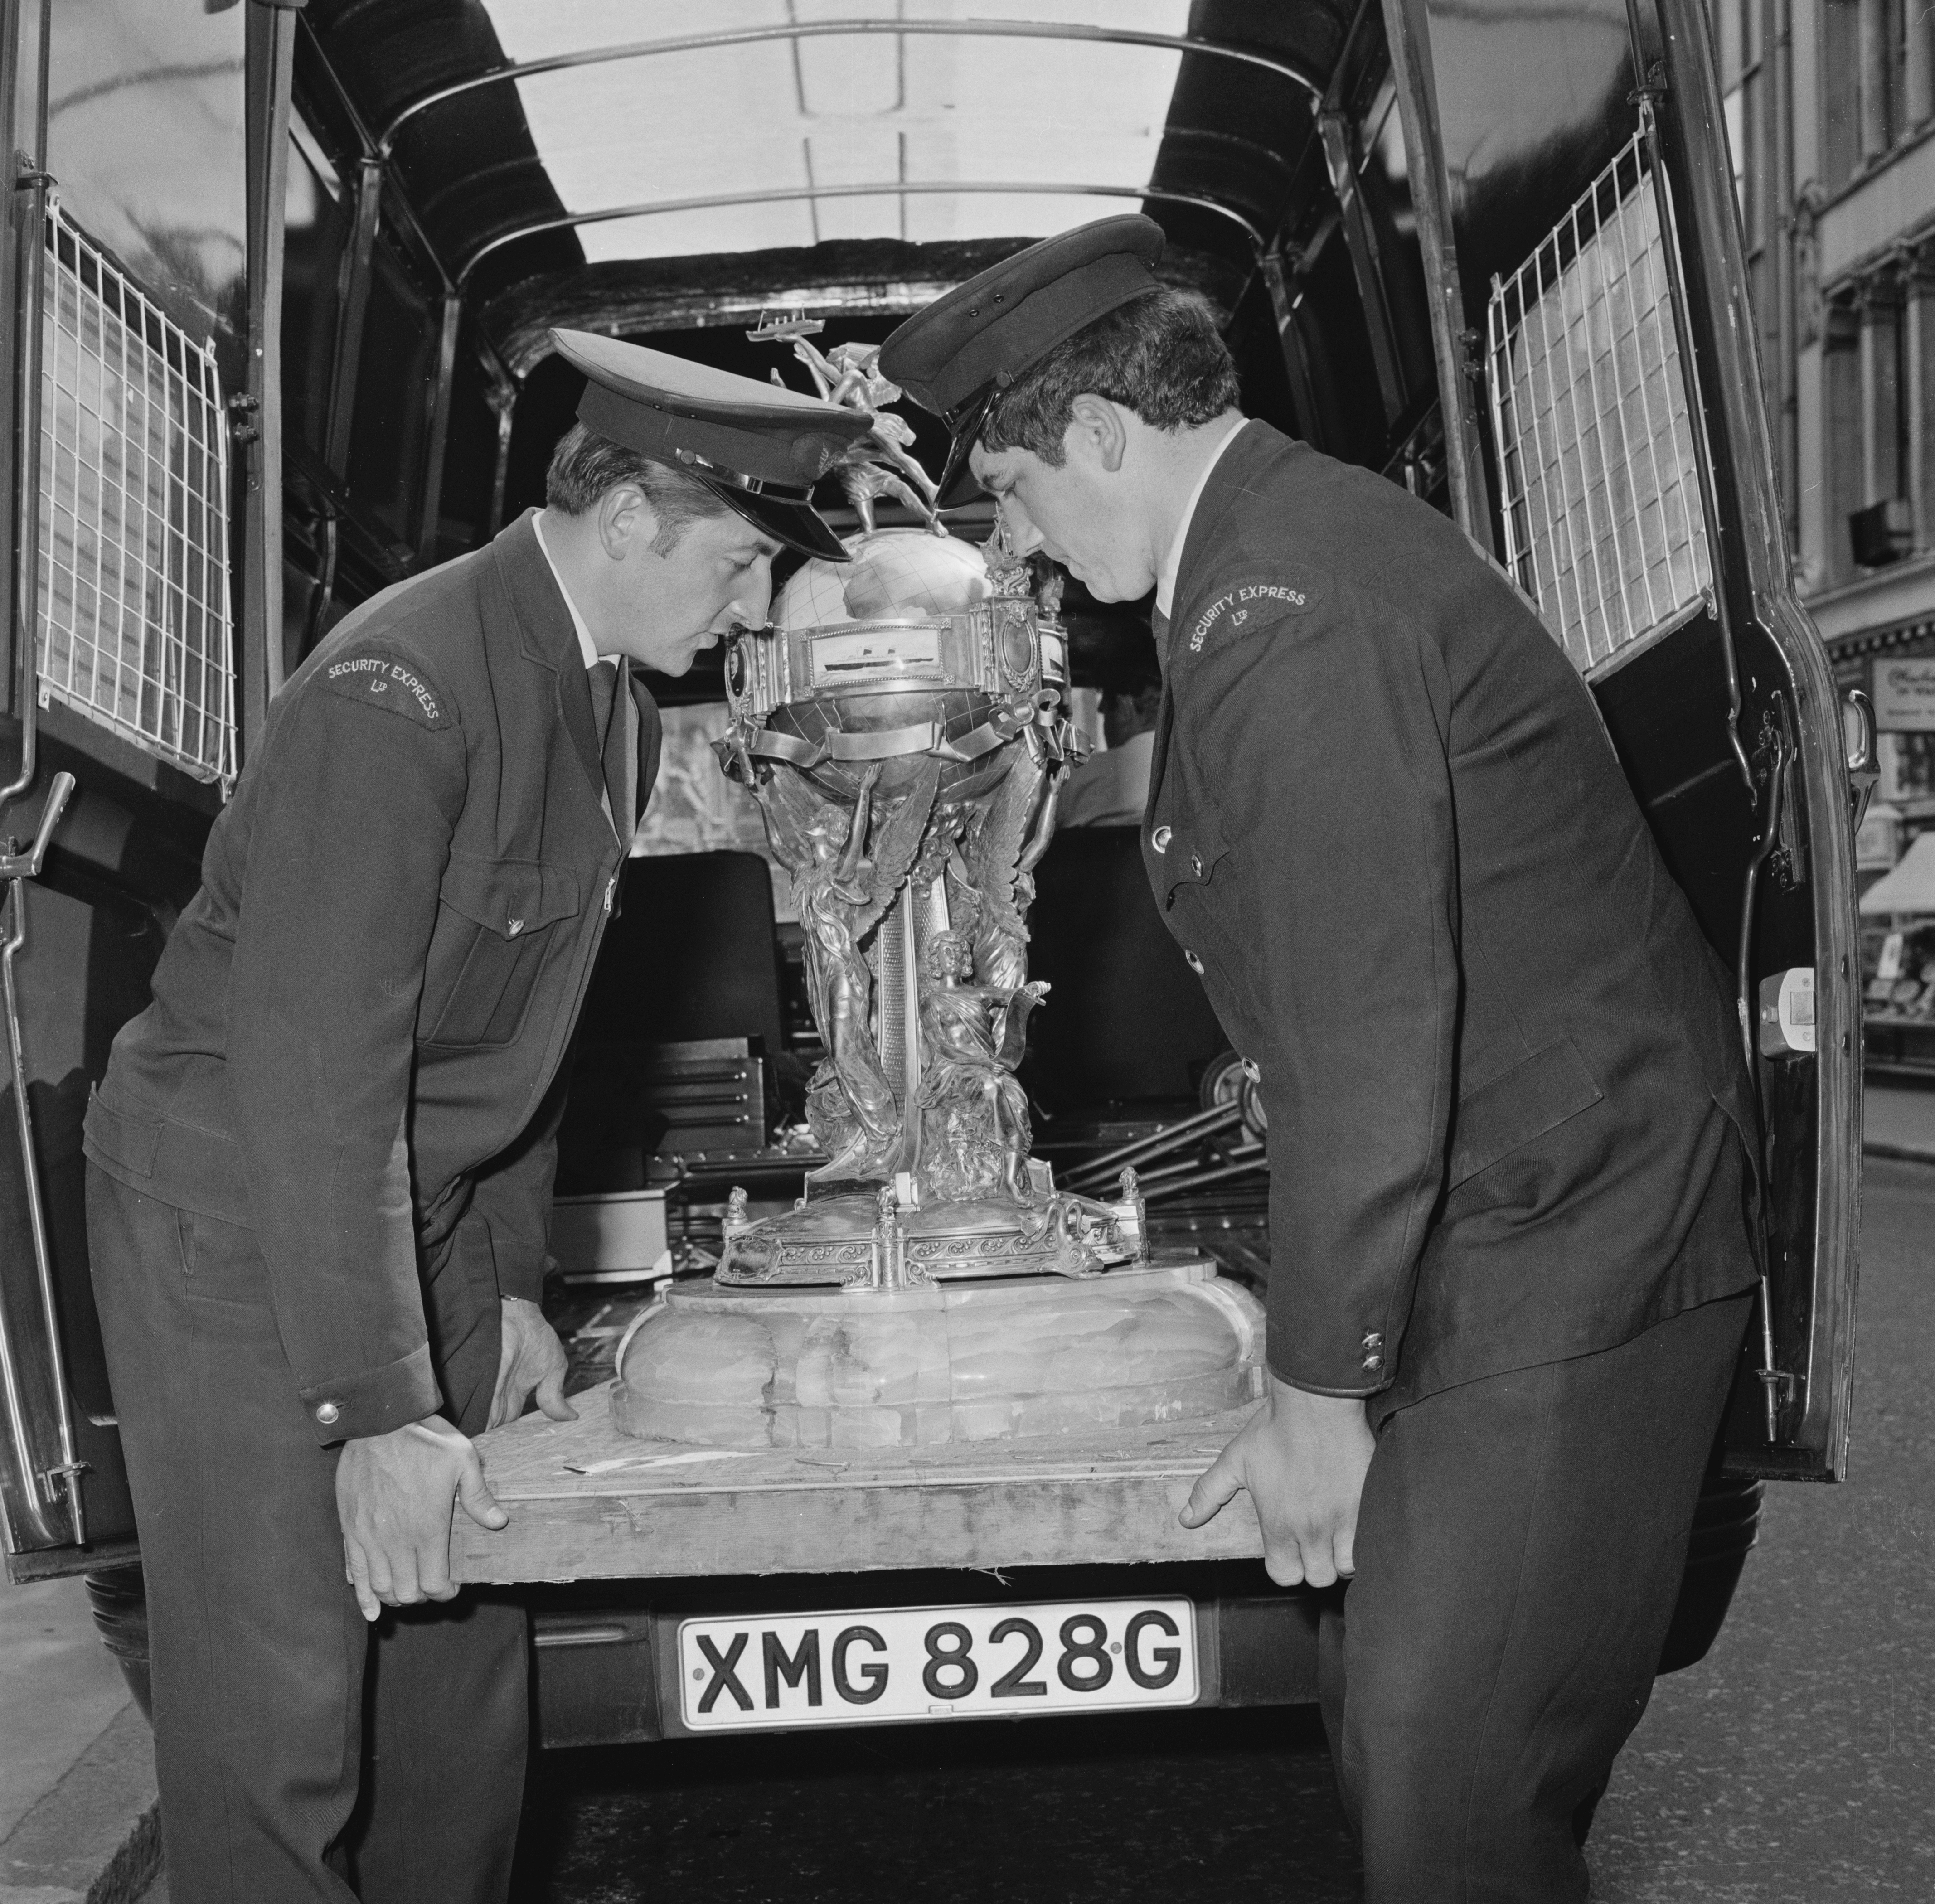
(585, 465)
(1160, 355)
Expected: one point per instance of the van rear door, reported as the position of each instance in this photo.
(1581, 243)
(139, 572)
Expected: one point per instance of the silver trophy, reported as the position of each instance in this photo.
(902, 723)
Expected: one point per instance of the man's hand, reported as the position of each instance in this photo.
(1302, 1458)
(393, 1496)
(531, 1358)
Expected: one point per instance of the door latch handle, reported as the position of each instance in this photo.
(15, 865)
(1857, 733)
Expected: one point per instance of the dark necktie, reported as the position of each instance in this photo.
(605, 678)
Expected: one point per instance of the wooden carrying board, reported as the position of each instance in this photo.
(588, 1503)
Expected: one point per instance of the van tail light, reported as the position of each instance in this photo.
(1787, 1013)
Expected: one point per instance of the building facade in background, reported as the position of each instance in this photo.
(1832, 111)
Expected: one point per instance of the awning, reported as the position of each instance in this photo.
(1910, 888)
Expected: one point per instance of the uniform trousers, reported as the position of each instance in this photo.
(1519, 1545)
(302, 1754)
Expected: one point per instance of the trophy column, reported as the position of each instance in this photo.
(894, 958)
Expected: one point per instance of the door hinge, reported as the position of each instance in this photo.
(65, 1476)
(1655, 89)
(242, 427)
(1779, 1391)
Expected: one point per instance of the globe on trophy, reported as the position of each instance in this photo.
(903, 725)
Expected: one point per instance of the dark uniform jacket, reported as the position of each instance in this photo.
(1509, 1121)
(357, 1019)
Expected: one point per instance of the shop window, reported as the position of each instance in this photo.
(1878, 80)
(1878, 367)
(1742, 84)
(1603, 522)
(134, 623)
(1907, 763)
(1753, 140)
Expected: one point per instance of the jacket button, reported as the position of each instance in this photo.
(1372, 1340)
(1372, 1363)
(1196, 864)
(1159, 839)
(326, 1413)
(512, 928)
(1194, 964)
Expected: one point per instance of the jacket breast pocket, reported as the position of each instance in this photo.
(1536, 1095)
(497, 925)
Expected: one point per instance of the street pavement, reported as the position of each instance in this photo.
(59, 1690)
(1797, 1762)
(77, 1816)
(1898, 1121)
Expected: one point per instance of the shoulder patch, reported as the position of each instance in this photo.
(382, 680)
(1243, 604)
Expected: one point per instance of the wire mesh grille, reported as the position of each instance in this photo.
(133, 604)
(1603, 522)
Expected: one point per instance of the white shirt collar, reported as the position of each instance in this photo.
(592, 657)
(1165, 583)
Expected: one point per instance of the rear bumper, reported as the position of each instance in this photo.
(605, 1652)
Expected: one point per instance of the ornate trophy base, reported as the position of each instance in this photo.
(968, 1361)
(857, 1238)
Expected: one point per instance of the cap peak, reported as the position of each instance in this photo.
(981, 336)
(758, 447)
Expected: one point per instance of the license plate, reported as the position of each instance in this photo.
(887, 1666)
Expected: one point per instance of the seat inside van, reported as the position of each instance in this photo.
(1127, 1021)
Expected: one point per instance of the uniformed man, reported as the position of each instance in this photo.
(322, 1158)
(1510, 1124)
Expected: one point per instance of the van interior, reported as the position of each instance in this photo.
(1488, 254)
